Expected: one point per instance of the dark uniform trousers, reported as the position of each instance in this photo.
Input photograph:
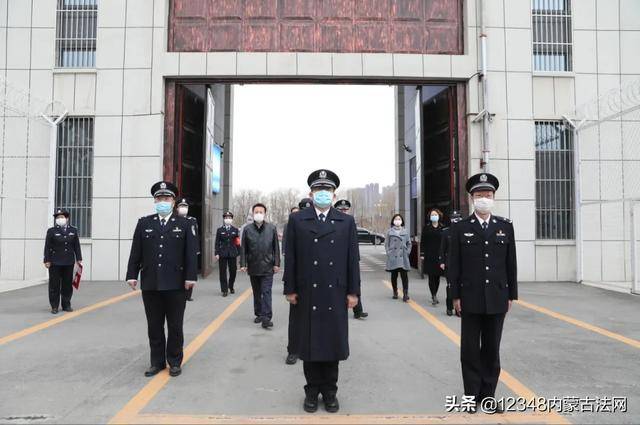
(292, 346)
(60, 278)
(160, 306)
(480, 353)
(322, 377)
(232, 265)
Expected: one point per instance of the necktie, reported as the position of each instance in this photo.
(321, 217)
(163, 222)
(485, 225)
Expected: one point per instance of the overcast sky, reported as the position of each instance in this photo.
(283, 132)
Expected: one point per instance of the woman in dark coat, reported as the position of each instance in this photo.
(430, 240)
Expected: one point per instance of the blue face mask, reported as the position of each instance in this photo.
(322, 198)
(163, 207)
(435, 218)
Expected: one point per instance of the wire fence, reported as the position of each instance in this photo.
(607, 132)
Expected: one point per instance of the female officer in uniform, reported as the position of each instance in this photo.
(61, 252)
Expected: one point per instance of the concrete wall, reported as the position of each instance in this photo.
(125, 93)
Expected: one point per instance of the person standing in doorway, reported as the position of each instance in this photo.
(260, 257)
(484, 282)
(430, 241)
(164, 252)
(344, 206)
(183, 211)
(227, 249)
(397, 245)
(444, 255)
(322, 278)
(61, 253)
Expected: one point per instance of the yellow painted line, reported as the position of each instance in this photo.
(66, 316)
(584, 325)
(454, 418)
(511, 382)
(129, 413)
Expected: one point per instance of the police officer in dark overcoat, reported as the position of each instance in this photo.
(182, 209)
(343, 205)
(164, 251)
(322, 278)
(61, 252)
(445, 243)
(483, 277)
(226, 252)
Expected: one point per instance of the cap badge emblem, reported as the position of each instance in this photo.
(323, 174)
(163, 185)
(483, 178)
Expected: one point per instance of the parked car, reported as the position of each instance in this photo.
(367, 236)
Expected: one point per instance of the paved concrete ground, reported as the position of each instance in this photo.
(86, 367)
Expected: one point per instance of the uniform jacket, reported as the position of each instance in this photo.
(165, 256)
(322, 267)
(444, 248)
(398, 246)
(430, 248)
(482, 265)
(260, 249)
(225, 245)
(62, 246)
(194, 221)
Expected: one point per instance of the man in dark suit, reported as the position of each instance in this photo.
(164, 251)
(61, 253)
(183, 211)
(322, 278)
(227, 250)
(483, 277)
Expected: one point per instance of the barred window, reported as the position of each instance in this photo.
(74, 171)
(554, 181)
(552, 39)
(76, 33)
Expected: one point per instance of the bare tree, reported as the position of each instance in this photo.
(243, 200)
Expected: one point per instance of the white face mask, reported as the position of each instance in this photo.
(397, 223)
(183, 211)
(483, 205)
(258, 217)
(61, 221)
(228, 221)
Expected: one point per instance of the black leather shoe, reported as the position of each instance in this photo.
(310, 403)
(257, 320)
(153, 370)
(175, 371)
(54, 311)
(68, 309)
(395, 296)
(361, 315)
(405, 298)
(331, 404)
(189, 299)
(224, 294)
(233, 291)
(267, 324)
(449, 312)
(291, 359)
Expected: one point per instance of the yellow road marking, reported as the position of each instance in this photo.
(512, 383)
(129, 413)
(525, 418)
(65, 317)
(584, 325)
